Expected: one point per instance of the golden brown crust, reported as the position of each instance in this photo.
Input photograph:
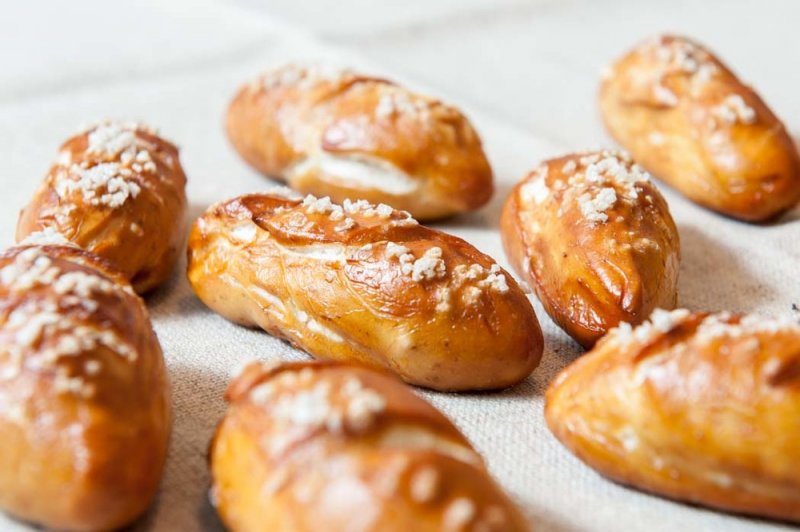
(118, 190)
(697, 407)
(686, 118)
(334, 133)
(365, 283)
(332, 446)
(84, 397)
(595, 239)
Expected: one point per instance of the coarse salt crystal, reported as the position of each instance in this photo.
(45, 237)
(103, 184)
(535, 190)
(734, 109)
(593, 208)
(429, 266)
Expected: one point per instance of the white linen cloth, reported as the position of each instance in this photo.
(526, 73)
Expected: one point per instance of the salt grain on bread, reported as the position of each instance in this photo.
(330, 132)
(365, 283)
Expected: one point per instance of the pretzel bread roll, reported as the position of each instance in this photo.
(339, 447)
(595, 239)
(84, 397)
(704, 408)
(117, 190)
(335, 133)
(365, 283)
(690, 121)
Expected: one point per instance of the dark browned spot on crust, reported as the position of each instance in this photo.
(677, 334)
(787, 372)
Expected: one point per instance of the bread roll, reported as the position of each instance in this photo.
(84, 398)
(595, 239)
(704, 408)
(686, 117)
(335, 133)
(117, 190)
(365, 283)
(336, 447)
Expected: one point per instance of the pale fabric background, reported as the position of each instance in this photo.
(525, 71)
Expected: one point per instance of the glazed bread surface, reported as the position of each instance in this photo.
(365, 283)
(704, 408)
(331, 132)
(84, 396)
(690, 121)
(595, 239)
(117, 190)
(340, 447)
